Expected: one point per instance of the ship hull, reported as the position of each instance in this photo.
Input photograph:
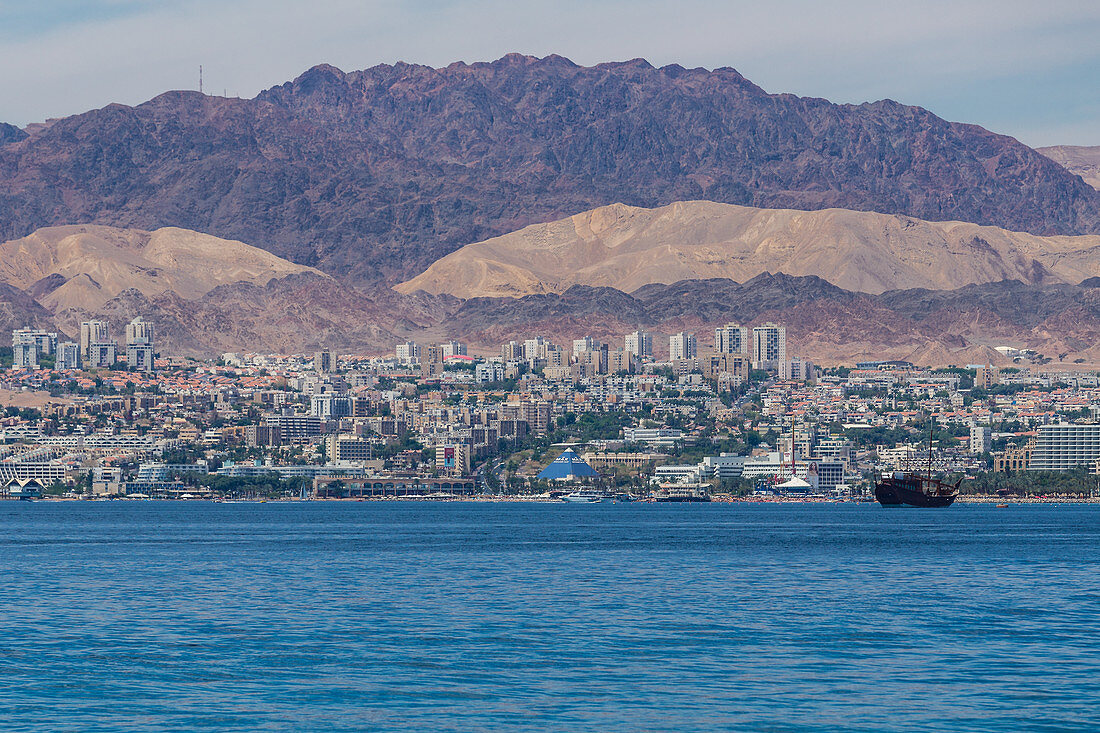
(890, 493)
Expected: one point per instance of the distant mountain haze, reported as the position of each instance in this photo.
(627, 247)
(1080, 160)
(376, 174)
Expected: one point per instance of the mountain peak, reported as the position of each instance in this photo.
(378, 173)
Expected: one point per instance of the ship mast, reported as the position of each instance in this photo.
(931, 424)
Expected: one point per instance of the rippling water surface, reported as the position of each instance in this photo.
(389, 616)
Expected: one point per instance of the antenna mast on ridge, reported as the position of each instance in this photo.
(200, 78)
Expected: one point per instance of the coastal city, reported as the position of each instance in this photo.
(723, 416)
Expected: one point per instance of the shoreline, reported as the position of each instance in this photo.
(523, 499)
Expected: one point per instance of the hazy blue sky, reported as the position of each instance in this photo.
(1025, 68)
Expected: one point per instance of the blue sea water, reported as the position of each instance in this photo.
(548, 617)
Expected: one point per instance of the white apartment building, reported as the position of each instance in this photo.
(93, 332)
(68, 355)
(731, 338)
(45, 341)
(1065, 446)
(24, 355)
(139, 332)
(139, 357)
(408, 352)
(682, 346)
(453, 348)
(102, 355)
(639, 344)
(981, 439)
(769, 348)
(584, 345)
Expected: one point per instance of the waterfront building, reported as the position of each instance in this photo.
(1014, 457)
(724, 466)
(567, 467)
(348, 448)
(453, 459)
(695, 473)
(1065, 446)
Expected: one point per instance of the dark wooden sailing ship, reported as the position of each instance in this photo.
(908, 488)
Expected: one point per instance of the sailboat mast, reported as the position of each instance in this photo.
(931, 423)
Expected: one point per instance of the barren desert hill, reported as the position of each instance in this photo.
(84, 266)
(1082, 160)
(628, 247)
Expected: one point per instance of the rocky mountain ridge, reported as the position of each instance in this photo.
(376, 174)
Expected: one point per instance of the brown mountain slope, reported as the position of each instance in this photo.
(303, 312)
(626, 247)
(825, 323)
(378, 173)
(19, 310)
(82, 267)
(1078, 159)
(289, 315)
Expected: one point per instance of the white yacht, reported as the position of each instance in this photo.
(584, 496)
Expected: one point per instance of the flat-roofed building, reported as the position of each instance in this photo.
(24, 355)
(731, 338)
(1065, 446)
(639, 344)
(68, 355)
(682, 346)
(769, 347)
(1014, 457)
(102, 355)
(93, 332)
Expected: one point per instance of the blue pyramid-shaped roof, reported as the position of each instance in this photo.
(568, 465)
